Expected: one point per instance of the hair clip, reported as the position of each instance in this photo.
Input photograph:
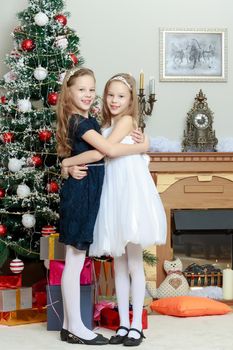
(71, 73)
(123, 80)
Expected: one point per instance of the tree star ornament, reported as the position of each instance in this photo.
(41, 19)
(28, 220)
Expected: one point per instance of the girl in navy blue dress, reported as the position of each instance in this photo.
(78, 132)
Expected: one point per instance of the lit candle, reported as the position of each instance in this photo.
(141, 80)
(152, 85)
(227, 284)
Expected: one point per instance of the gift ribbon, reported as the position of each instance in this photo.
(17, 298)
(52, 238)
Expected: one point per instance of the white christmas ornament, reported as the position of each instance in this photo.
(10, 76)
(23, 191)
(41, 19)
(28, 220)
(16, 266)
(24, 105)
(15, 164)
(61, 77)
(40, 73)
(61, 42)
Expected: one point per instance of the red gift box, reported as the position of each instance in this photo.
(109, 318)
(10, 282)
(56, 268)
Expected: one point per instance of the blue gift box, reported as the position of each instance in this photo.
(55, 308)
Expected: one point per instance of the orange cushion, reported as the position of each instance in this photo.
(185, 306)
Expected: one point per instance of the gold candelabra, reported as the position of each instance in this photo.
(145, 107)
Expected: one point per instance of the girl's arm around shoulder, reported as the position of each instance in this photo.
(116, 149)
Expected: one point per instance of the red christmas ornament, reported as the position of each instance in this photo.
(3, 230)
(52, 187)
(16, 266)
(52, 98)
(28, 45)
(45, 135)
(36, 160)
(2, 192)
(48, 230)
(3, 99)
(8, 137)
(74, 58)
(61, 19)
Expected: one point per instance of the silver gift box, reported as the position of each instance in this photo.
(8, 299)
(58, 252)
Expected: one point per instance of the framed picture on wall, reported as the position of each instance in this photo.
(193, 55)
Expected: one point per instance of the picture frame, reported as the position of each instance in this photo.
(193, 55)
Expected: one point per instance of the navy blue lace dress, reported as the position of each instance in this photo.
(80, 199)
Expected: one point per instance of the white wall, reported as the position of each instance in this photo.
(123, 35)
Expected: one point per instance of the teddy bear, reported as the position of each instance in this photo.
(175, 284)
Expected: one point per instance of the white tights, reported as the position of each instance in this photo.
(129, 272)
(70, 286)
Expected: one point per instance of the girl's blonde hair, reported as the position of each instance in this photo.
(132, 110)
(65, 107)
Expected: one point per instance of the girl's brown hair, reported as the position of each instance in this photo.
(65, 107)
(133, 107)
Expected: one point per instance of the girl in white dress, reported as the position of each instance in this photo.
(131, 215)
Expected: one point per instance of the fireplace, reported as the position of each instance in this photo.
(203, 238)
(194, 182)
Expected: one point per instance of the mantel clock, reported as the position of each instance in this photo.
(199, 135)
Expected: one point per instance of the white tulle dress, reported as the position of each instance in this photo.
(130, 206)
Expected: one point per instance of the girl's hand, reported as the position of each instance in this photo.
(64, 172)
(78, 172)
(137, 135)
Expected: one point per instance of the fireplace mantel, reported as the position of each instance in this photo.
(190, 181)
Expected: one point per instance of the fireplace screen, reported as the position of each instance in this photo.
(203, 238)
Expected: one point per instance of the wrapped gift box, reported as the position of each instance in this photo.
(55, 308)
(51, 248)
(11, 281)
(19, 317)
(15, 299)
(109, 318)
(56, 268)
(104, 272)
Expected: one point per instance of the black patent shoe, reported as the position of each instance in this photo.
(64, 334)
(118, 339)
(98, 340)
(130, 341)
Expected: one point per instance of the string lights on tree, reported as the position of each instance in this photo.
(44, 47)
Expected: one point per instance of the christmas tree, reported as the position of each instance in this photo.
(44, 48)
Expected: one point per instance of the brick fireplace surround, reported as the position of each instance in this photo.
(190, 181)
